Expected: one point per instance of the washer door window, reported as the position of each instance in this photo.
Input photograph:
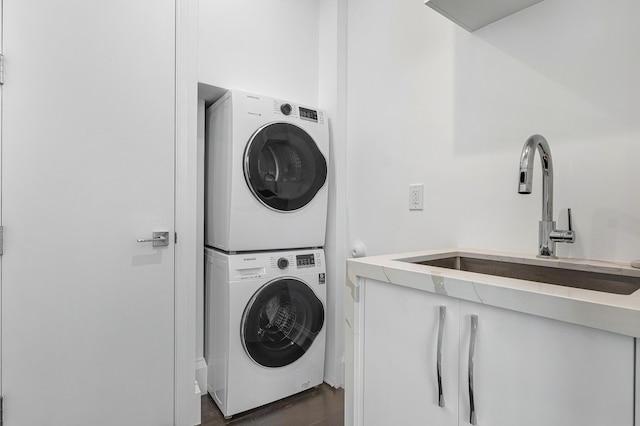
(281, 322)
(283, 167)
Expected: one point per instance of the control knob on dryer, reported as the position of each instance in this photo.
(283, 263)
(286, 109)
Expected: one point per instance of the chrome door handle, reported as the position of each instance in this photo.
(443, 311)
(472, 348)
(159, 239)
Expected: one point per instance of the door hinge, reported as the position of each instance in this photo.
(175, 241)
(1, 253)
(1, 80)
(1, 410)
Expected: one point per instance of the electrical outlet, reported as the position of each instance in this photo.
(416, 196)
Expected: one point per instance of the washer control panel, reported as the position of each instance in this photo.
(267, 265)
(305, 260)
(302, 260)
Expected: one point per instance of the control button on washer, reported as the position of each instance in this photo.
(283, 263)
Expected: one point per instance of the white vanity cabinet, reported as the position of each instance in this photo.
(400, 357)
(532, 371)
(527, 370)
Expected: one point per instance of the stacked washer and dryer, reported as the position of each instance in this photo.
(266, 212)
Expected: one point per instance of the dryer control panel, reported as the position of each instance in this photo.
(308, 114)
(294, 111)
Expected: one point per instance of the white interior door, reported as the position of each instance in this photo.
(88, 168)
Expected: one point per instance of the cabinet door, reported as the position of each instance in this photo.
(400, 355)
(532, 371)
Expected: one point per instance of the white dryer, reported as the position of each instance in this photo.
(267, 169)
(265, 326)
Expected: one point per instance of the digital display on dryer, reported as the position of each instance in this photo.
(305, 260)
(309, 114)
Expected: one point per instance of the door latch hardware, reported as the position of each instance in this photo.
(1, 72)
(159, 239)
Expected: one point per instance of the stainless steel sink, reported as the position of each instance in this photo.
(605, 282)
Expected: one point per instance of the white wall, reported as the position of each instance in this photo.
(429, 102)
(265, 47)
(332, 98)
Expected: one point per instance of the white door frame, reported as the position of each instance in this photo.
(187, 403)
(1, 133)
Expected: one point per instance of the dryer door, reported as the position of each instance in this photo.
(280, 322)
(284, 167)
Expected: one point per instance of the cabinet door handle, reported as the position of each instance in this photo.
(443, 311)
(472, 345)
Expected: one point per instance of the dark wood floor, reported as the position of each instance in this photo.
(322, 405)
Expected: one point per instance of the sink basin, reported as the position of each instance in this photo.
(598, 281)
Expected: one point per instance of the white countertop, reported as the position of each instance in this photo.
(605, 311)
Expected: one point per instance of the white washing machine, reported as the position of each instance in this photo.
(265, 326)
(267, 169)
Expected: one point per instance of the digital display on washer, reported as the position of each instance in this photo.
(309, 114)
(305, 260)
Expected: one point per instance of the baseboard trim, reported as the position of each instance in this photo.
(201, 374)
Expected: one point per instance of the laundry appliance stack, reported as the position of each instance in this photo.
(265, 222)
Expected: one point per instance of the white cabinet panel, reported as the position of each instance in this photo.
(400, 347)
(528, 370)
(532, 371)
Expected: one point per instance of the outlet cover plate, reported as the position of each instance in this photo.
(416, 196)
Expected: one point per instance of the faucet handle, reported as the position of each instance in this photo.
(560, 236)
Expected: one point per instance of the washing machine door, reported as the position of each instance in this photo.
(284, 167)
(280, 322)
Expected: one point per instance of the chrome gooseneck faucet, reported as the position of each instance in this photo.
(548, 234)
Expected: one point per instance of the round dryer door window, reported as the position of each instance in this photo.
(280, 322)
(284, 167)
